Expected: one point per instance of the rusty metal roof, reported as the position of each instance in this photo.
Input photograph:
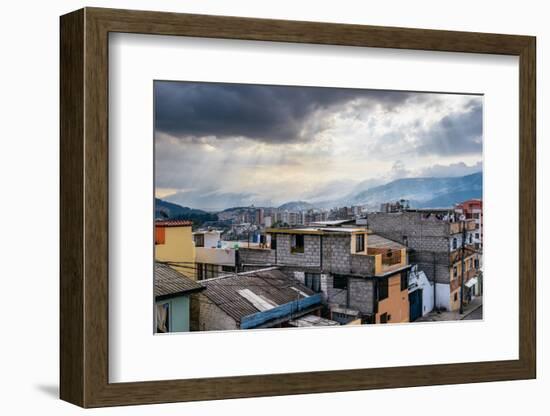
(169, 282)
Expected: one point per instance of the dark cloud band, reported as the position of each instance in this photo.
(261, 112)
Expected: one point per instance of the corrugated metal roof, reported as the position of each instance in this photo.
(377, 241)
(272, 285)
(170, 282)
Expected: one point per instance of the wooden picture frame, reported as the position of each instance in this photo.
(84, 207)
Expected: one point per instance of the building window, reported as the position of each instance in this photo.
(455, 243)
(211, 271)
(199, 240)
(382, 289)
(228, 268)
(200, 271)
(455, 272)
(160, 235)
(297, 243)
(476, 263)
(471, 239)
(406, 240)
(404, 281)
(477, 236)
(456, 297)
(359, 243)
(313, 281)
(384, 318)
(340, 282)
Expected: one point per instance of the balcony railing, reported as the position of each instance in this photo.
(456, 227)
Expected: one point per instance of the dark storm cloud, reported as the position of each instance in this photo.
(263, 112)
(458, 133)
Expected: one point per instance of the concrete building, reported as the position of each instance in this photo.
(174, 245)
(354, 270)
(472, 209)
(172, 299)
(434, 238)
(212, 257)
(421, 294)
(396, 206)
(207, 238)
(265, 298)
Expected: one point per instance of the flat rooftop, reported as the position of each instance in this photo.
(318, 230)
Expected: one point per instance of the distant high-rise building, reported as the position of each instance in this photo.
(259, 216)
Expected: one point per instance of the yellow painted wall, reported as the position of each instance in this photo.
(468, 264)
(178, 247)
(397, 302)
(455, 304)
(469, 269)
(380, 267)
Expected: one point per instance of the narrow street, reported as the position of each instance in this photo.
(472, 311)
(475, 315)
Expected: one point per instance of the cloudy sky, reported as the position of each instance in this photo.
(221, 145)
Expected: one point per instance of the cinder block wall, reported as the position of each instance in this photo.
(309, 258)
(427, 240)
(337, 254)
(257, 256)
(361, 295)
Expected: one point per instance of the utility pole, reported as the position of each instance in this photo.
(463, 223)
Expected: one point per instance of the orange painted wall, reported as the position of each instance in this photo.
(397, 302)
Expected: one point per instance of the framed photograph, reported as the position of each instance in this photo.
(255, 207)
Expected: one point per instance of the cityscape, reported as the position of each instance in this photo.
(398, 243)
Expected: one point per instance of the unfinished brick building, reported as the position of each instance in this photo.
(434, 239)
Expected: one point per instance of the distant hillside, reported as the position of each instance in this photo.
(169, 210)
(422, 192)
(297, 206)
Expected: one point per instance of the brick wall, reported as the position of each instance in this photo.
(309, 258)
(210, 316)
(363, 265)
(337, 253)
(422, 233)
(261, 257)
(359, 295)
(427, 239)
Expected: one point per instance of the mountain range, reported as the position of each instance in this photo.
(297, 206)
(422, 192)
(429, 192)
(169, 210)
